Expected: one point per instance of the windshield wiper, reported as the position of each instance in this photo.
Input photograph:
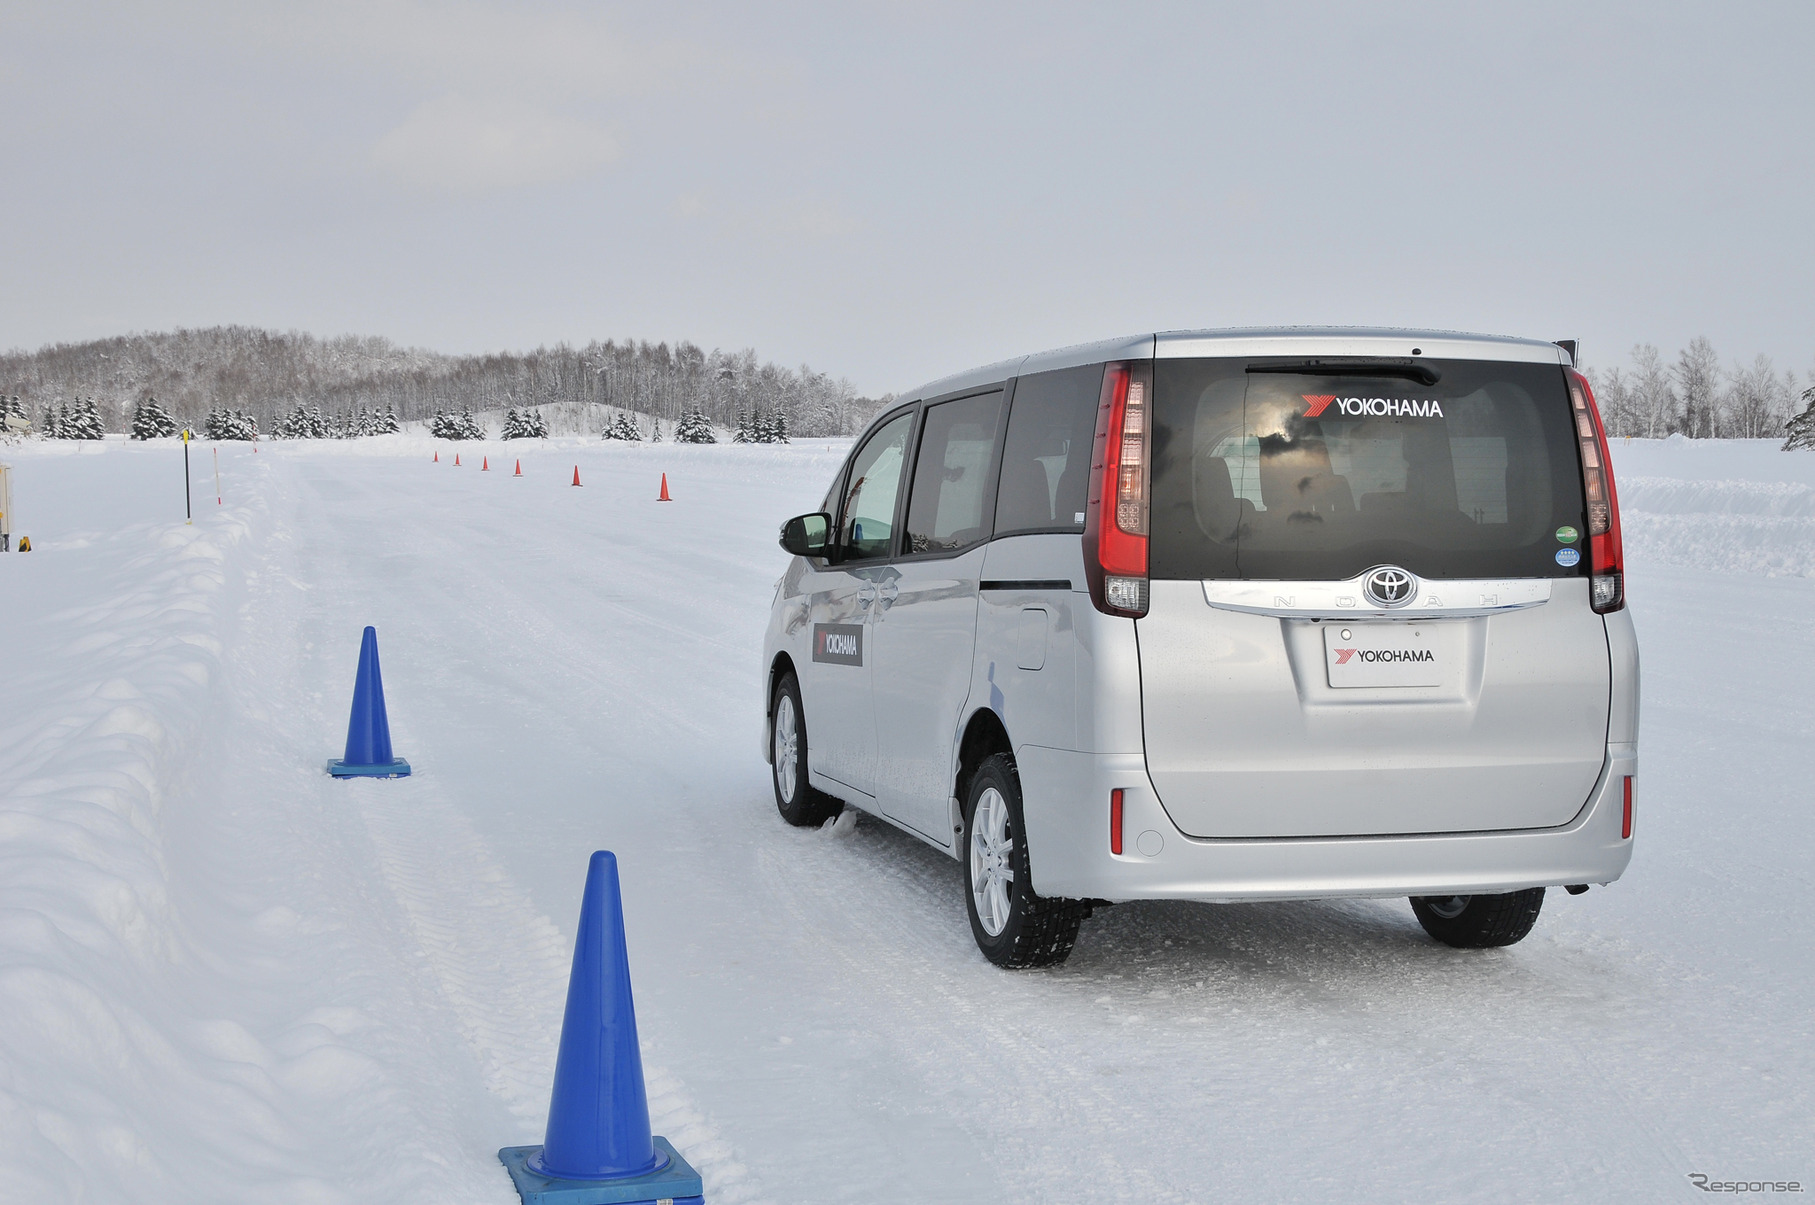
(1353, 366)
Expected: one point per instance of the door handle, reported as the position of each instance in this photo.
(889, 592)
(866, 594)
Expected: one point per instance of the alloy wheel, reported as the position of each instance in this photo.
(992, 867)
(787, 747)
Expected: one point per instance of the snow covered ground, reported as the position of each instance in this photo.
(225, 977)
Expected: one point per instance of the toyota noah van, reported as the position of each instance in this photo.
(1223, 615)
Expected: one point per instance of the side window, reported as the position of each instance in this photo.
(1046, 459)
(868, 519)
(947, 505)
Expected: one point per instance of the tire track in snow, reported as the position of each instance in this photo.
(502, 967)
(500, 964)
(1002, 1068)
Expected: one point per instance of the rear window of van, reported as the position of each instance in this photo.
(1263, 470)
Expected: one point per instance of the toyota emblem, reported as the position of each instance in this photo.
(1388, 586)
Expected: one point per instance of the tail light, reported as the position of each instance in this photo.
(1626, 813)
(1606, 559)
(1115, 820)
(1115, 522)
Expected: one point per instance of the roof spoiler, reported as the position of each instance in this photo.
(1568, 345)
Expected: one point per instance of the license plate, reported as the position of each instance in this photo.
(1386, 654)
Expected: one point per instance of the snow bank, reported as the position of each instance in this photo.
(119, 651)
(1760, 520)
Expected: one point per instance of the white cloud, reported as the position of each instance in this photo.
(478, 144)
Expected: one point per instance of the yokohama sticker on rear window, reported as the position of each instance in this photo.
(838, 643)
(1372, 407)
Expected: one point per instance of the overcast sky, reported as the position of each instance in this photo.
(892, 192)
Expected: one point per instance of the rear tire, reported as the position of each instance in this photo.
(1479, 922)
(796, 800)
(1013, 927)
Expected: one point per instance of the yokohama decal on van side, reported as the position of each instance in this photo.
(838, 643)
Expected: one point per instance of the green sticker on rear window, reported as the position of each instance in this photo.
(1567, 535)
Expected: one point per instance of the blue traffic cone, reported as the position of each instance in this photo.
(368, 729)
(598, 1148)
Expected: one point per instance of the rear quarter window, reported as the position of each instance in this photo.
(1319, 476)
(1046, 456)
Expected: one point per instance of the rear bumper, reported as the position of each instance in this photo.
(1067, 819)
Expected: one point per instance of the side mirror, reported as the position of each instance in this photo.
(808, 535)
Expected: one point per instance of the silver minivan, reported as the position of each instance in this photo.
(1223, 615)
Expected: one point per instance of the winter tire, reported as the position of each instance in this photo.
(798, 803)
(1477, 922)
(1014, 927)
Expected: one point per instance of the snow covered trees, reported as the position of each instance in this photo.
(308, 422)
(694, 428)
(78, 420)
(622, 426)
(303, 422)
(151, 421)
(527, 423)
(1801, 429)
(455, 426)
(1695, 396)
(761, 427)
(228, 423)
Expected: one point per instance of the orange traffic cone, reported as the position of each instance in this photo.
(519, 471)
(437, 455)
(485, 464)
(664, 497)
(576, 474)
(456, 460)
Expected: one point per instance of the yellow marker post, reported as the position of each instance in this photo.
(188, 516)
(217, 476)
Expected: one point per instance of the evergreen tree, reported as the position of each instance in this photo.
(655, 436)
(224, 423)
(778, 428)
(386, 423)
(628, 429)
(746, 431)
(694, 428)
(1801, 429)
(538, 426)
(151, 421)
(84, 421)
(469, 428)
(513, 424)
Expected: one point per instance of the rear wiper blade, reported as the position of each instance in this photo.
(1354, 366)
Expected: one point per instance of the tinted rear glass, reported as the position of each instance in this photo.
(1046, 459)
(1268, 475)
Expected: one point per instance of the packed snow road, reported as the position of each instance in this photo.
(224, 976)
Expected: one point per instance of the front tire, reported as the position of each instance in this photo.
(1479, 922)
(1013, 927)
(796, 800)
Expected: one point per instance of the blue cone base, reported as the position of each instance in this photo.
(396, 768)
(674, 1181)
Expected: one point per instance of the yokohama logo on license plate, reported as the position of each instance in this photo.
(1385, 654)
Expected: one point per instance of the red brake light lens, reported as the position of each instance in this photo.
(1606, 558)
(1115, 820)
(1115, 527)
